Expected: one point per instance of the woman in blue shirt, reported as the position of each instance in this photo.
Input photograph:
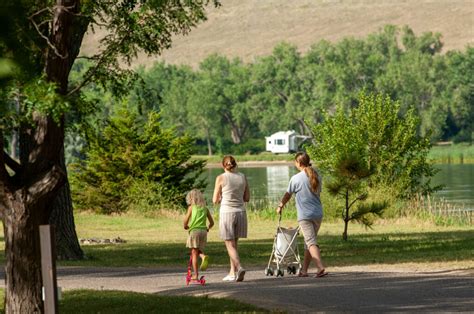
(306, 185)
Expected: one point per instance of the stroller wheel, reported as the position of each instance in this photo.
(279, 272)
(268, 271)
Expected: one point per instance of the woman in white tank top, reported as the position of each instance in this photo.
(232, 192)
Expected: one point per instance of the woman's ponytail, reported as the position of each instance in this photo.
(304, 161)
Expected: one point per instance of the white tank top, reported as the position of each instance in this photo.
(233, 189)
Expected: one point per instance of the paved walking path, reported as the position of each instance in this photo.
(352, 289)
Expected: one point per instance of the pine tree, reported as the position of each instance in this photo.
(130, 156)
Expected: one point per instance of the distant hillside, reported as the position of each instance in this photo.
(251, 28)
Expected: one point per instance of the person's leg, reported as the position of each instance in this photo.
(306, 262)
(310, 230)
(195, 255)
(316, 255)
(204, 261)
(231, 246)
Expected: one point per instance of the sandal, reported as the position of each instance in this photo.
(321, 273)
(301, 274)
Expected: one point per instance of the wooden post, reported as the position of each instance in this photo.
(48, 269)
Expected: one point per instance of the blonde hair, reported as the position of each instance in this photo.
(303, 159)
(229, 163)
(195, 197)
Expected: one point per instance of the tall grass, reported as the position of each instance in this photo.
(265, 156)
(438, 211)
(435, 210)
(450, 153)
(454, 153)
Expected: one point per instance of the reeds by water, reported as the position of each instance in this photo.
(438, 210)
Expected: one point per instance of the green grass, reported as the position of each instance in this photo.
(154, 242)
(92, 301)
(456, 153)
(265, 156)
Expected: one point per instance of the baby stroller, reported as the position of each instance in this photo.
(285, 252)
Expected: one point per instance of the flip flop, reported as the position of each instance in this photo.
(300, 274)
(321, 273)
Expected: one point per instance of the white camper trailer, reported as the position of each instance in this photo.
(282, 142)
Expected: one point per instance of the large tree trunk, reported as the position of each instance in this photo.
(25, 199)
(68, 36)
(23, 267)
(62, 217)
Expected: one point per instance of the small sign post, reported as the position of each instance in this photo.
(48, 269)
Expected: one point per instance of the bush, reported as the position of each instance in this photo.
(133, 162)
(387, 143)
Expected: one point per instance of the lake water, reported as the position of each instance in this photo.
(271, 182)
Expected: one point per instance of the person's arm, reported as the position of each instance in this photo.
(283, 202)
(211, 220)
(247, 191)
(187, 217)
(217, 196)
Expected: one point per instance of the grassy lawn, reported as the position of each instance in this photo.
(92, 301)
(456, 153)
(160, 241)
(265, 156)
(154, 242)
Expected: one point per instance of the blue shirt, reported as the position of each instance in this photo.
(308, 203)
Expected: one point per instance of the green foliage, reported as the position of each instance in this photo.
(348, 181)
(383, 138)
(40, 96)
(133, 162)
(227, 101)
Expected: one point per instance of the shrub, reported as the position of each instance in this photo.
(386, 142)
(131, 161)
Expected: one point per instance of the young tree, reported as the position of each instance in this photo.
(46, 36)
(387, 141)
(348, 182)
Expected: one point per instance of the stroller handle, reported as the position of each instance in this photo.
(279, 219)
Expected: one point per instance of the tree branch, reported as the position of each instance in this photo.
(92, 72)
(358, 198)
(45, 184)
(37, 27)
(11, 163)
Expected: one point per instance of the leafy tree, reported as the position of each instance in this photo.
(459, 94)
(220, 95)
(348, 182)
(45, 37)
(129, 153)
(226, 101)
(387, 142)
(275, 96)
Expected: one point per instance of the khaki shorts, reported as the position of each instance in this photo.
(197, 239)
(233, 225)
(310, 229)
